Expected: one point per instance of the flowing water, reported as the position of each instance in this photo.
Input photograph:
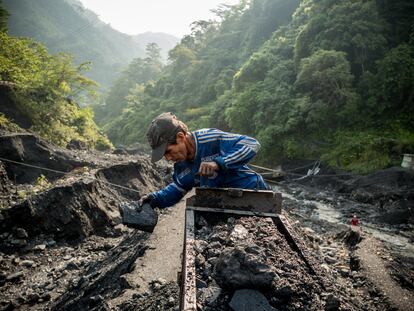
(327, 212)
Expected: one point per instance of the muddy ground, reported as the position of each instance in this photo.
(62, 246)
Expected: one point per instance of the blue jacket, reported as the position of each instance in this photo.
(230, 151)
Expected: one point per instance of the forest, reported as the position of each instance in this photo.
(321, 218)
(45, 90)
(311, 79)
(329, 80)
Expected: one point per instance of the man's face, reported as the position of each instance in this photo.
(178, 151)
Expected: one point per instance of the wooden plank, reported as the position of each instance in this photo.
(189, 300)
(230, 211)
(262, 201)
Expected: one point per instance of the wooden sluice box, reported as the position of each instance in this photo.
(232, 203)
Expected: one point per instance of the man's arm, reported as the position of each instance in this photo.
(168, 196)
(171, 194)
(237, 152)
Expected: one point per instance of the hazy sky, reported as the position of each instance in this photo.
(138, 16)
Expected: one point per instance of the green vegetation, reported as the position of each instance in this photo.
(320, 79)
(3, 18)
(41, 184)
(46, 88)
(67, 26)
(7, 125)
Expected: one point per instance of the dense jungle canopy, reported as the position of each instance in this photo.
(311, 79)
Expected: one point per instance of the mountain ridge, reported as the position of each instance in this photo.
(52, 23)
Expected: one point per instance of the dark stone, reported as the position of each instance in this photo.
(235, 268)
(354, 262)
(71, 265)
(15, 276)
(123, 282)
(210, 294)
(332, 303)
(138, 217)
(21, 233)
(248, 300)
(46, 297)
(215, 245)
(33, 298)
(94, 300)
(351, 237)
(4, 180)
(3, 278)
(285, 293)
(133, 149)
(75, 144)
(120, 151)
(200, 283)
(213, 252)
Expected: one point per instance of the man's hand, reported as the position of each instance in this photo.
(208, 168)
(144, 199)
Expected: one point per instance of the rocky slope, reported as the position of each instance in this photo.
(62, 246)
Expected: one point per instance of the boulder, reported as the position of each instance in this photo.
(236, 268)
(138, 217)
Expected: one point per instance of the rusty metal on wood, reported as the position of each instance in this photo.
(188, 288)
(261, 201)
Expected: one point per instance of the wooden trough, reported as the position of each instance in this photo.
(262, 203)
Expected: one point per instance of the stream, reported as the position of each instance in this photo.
(327, 212)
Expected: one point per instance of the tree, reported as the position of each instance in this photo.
(325, 77)
(3, 18)
(391, 89)
(47, 89)
(354, 27)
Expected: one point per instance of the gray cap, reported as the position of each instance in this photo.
(161, 132)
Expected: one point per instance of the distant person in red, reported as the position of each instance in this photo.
(354, 221)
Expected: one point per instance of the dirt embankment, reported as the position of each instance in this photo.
(62, 245)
